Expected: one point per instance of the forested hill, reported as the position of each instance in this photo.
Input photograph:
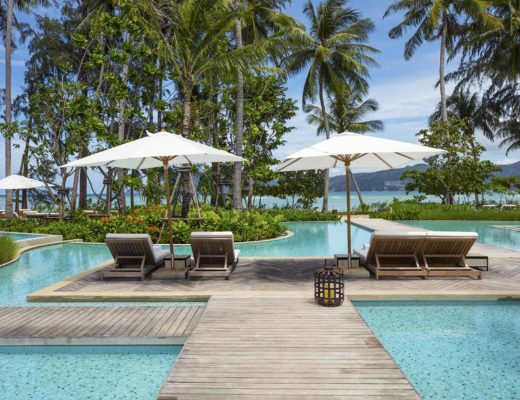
(390, 179)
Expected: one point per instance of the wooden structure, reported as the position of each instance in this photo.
(444, 254)
(394, 254)
(279, 348)
(54, 325)
(214, 254)
(183, 194)
(134, 255)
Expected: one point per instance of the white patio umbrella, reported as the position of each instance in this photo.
(19, 182)
(160, 149)
(354, 150)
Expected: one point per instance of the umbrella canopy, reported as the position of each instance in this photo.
(151, 151)
(354, 150)
(19, 182)
(160, 149)
(358, 151)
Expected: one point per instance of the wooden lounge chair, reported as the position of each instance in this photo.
(214, 254)
(444, 254)
(135, 255)
(394, 254)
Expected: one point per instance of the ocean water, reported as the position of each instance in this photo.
(452, 350)
(337, 200)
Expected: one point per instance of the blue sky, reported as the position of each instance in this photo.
(404, 89)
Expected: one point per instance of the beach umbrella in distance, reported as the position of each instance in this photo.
(160, 149)
(352, 150)
(19, 182)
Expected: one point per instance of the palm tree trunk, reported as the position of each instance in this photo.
(121, 133)
(186, 117)
(442, 83)
(8, 40)
(237, 173)
(75, 184)
(250, 193)
(360, 196)
(325, 206)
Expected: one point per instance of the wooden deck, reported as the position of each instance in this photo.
(121, 325)
(278, 348)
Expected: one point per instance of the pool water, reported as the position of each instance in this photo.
(84, 372)
(311, 239)
(487, 231)
(39, 268)
(452, 350)
(20, 236)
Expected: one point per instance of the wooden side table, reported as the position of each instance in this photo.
(180, 266)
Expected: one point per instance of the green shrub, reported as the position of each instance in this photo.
(412, 209)
(8, 249)
(246, 226)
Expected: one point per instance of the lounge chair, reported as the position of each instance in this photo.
(135, 255)
(393, 254)
(214, 254)
(444, 254)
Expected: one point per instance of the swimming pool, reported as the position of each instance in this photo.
(311, 239)
(20, 236)
(84, 372)
(487, 230)
(452, 350)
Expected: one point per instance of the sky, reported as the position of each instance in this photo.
(405, 90)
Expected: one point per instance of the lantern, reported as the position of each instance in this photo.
(328, 287)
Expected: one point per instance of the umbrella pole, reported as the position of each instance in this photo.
(349, 240)
(168, 206)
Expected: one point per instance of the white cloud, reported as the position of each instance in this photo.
(406, 98)
(507, 161)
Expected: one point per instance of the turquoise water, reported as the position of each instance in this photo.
(487, 232)
(311, 239)
(39, 268)
(84, 372)
(452, 350)
(20, 236)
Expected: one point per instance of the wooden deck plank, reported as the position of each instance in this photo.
(268, 348)
(91, 322)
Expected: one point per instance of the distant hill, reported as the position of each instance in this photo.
(390, 179)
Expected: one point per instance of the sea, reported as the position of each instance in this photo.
(337, 200)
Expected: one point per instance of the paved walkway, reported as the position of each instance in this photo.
(275, 348)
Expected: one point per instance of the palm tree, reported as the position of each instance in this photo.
(336, 54)
(258, 20)
(8, 49)
(25, 6)
(194, 43)
(479, 115)
(434, 20)
(346, 114)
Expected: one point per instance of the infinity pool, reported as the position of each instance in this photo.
(311, 239)
(452, 350)
(20, 236)
(84, 372)
(488, 231)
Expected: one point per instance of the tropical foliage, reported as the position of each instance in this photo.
(8, 249)
(458, 171)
